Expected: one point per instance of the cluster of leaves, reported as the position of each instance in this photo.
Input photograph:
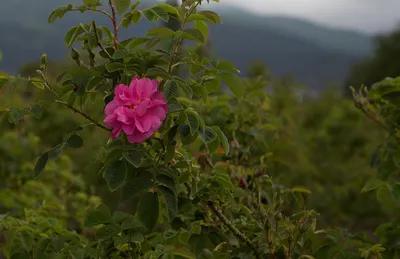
(194, 189)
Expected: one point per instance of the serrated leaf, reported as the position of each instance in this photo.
(372, 185)
(160, 12)
(26, 239)
(115, 174)
(135, 186)
(227, 66)
(150, 15)
(212, 16)
(148, 209)
(75, 141)
(193, 34)
(208, 135)
(171, 10)
(171, 89)
(41, 248)
(203, 28)
(107, 232)
(41, 164)
(193, 121)
(171, 200)
(100, 215)
(132, 223)
(122, 5)
(235, 84)
(133, 157)
(160, 32)
(223, 139)
(72, 34)
(16, 114)
(213, 146)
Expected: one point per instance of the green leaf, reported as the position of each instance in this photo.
(150, 15)
(203, 28)
(36, 111)
(135, 16)
(121, 53)
(372, 185)
(100, 215)
(212, 16)
(171, 89)
(72, 34)
(223, 139)
(59, 13)
(235, 84)
(133, 157)
(132, 223)
(200, 17)
(169, 9)
(171, 200)
(148, 209)
(227, 66)
(301, 189)
(208, 135)
(167, 181)
(16, 114)
(41, 164)
(193, 34)
(42, 248)
(26, 239)
(135, 186)
(115, 174)
(213, 146)
(122, 5)
(3, 79)
(115, 66)
(75, 141)
(193, 121)
(169, 154)
(107, 232)
(160, 32)
(160, 12)
(37, 82)
(182, 252)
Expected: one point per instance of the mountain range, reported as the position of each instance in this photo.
(314, 54)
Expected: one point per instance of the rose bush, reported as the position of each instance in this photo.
(187, 184)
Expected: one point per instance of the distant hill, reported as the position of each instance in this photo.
(314, 54)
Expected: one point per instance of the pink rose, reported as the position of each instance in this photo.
(137, 110)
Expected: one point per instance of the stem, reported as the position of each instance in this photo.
(235, 231)
(47, 84)
(96, 11)
(375, 119)
(178, 41)
(114, 22)
(84, 115)
(98, 40)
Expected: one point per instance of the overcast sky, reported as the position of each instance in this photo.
(366, 15)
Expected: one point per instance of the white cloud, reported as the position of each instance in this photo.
(366, 15)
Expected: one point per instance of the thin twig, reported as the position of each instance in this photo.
(83, 114)
(98, 40)
(114, 22)
(178, 41)
(235, 231)
(50, 88)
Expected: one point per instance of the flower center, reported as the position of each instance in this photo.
(132, 107)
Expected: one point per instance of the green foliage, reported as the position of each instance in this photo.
(200, 187)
